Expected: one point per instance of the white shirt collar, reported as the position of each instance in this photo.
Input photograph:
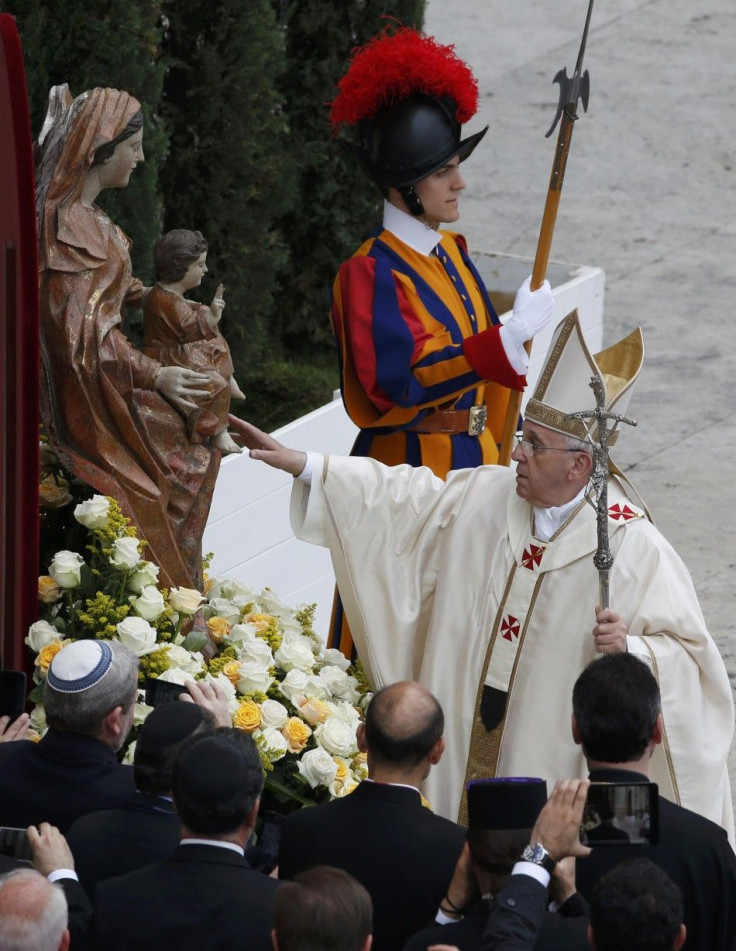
(547, 521)
(402, 785)
(218, 842)
(410, 230)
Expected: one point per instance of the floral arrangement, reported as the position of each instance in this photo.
(300, 701)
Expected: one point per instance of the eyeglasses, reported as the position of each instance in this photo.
(530, 448)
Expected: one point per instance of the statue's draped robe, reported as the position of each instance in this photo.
(103, 415)
(426, 571)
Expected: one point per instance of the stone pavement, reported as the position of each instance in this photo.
(649, 196)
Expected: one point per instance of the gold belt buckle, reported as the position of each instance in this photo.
(477, 420)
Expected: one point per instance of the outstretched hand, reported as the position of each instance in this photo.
(266, 449)
(15, 729)
(50, 849)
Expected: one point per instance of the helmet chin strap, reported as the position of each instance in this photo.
(412, 200)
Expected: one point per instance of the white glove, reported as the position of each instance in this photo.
(533, 310)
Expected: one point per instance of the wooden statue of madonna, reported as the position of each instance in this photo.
(116, 416)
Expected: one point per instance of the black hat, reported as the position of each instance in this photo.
(511, 802)
(169, 724)
(407, 141)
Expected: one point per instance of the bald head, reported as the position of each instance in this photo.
(33, 913)
(403, 724)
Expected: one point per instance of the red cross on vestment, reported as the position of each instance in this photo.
(532, 557)
(619, 512)
(510, 627)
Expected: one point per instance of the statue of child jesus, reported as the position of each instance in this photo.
(182, 333)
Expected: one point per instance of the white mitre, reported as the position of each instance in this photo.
(564, 385)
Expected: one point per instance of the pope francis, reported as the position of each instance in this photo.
(483, 588)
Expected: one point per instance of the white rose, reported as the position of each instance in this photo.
(346, 712)
(295, 652)
(316, 688)
(125, 553)
(255, 677)
(339, 790)
(294, 684)
(140, 712)
(340, 684)
(185, 600)
(175, 675)
(40, 634)
(272, 743)
(257, 649)
(191, 662)
(273, 714)
(93, 513)
(38, 718)
(137, 635)
(270, 603)
(221, 607)
(130, 754)
(149, 604)
(229, 588)
(332, 657)
(244, 632)
(317, 767)
(337, 737)
(66, 569)
(146, 574)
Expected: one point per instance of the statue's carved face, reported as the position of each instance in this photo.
(115, 171)
(194, 274)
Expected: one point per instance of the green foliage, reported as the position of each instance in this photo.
(337, 206)
(102, 43)
(229, 171)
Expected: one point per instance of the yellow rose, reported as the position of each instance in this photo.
(218, 628)
(232, 671)
(248, 716)
(343, 770)
(48, 589)
(296, 734)
(313, 711)
(53, 495)
(47, 654)
(261, 621)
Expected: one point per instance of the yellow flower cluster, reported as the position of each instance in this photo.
(116, 526)
(220, 661)
(101, 616)
(267, 628)
(153, 664)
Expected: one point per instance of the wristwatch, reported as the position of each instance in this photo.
(538, 855)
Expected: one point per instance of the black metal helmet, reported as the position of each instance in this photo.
(410, 139)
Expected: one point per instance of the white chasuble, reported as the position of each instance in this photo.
(443, 582)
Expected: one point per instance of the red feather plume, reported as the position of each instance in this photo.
(391, 67)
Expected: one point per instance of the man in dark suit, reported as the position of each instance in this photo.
(147, 828)
(205, 895)
(382, 834)
(617, 718)
(504, 817)
(90, 692)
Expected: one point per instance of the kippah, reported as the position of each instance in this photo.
(511, 802)
(168, 724)
(212, 770)
(79, 666)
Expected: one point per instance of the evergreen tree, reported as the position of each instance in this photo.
(337, 205)
(228, 172)
(102, 43)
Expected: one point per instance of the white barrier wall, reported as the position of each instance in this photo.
(248, 529)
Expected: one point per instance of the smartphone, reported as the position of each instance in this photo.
(264, 854)
(159, 691)
(621, 814)
(14, 844)
(12, 693)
